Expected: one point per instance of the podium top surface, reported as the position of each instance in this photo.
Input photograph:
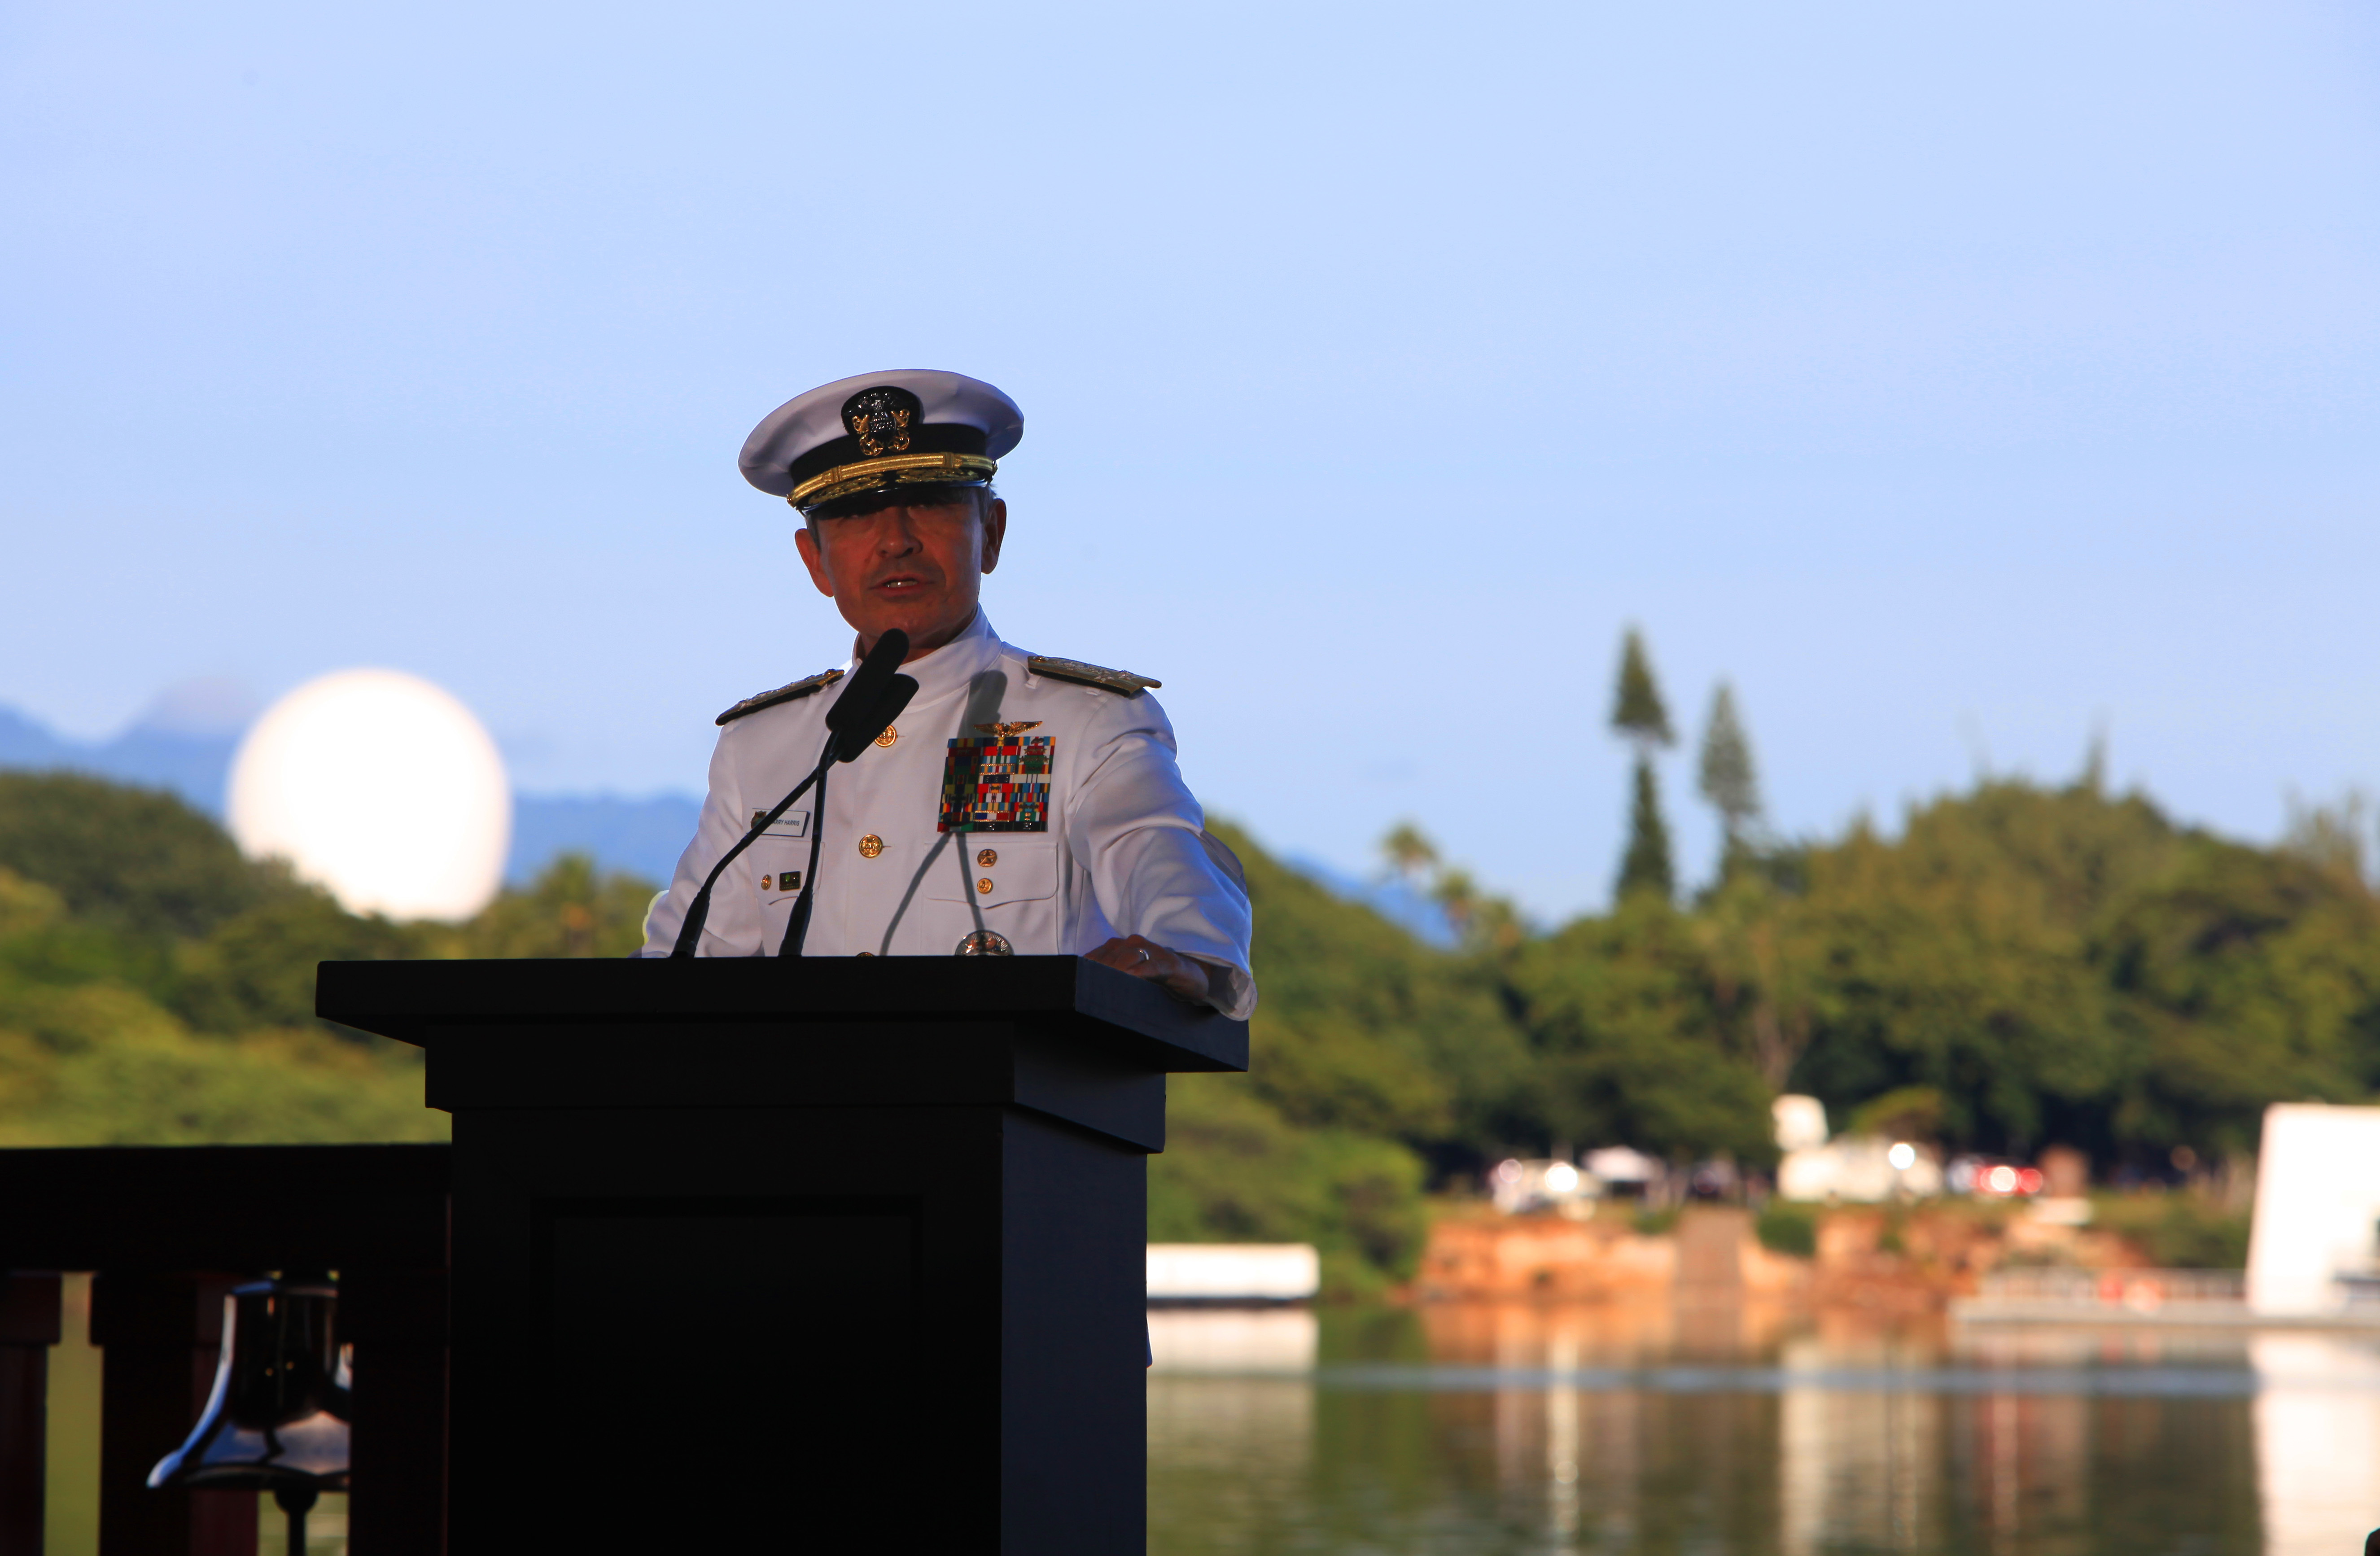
(223, 1207)
(409, 1001)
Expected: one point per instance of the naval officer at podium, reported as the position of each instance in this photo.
(1021, 804)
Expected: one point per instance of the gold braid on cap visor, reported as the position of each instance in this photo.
(898, 468)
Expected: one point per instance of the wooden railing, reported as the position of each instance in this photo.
(166, 1230)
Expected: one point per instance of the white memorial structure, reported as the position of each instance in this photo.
(2318, 1207)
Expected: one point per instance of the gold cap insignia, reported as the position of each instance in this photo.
(881, 419)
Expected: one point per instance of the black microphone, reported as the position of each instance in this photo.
(698, 912)
(858, 700)
(855, 731)
(872, 691)
(862, 732)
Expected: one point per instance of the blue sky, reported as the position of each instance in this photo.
(1955, 379)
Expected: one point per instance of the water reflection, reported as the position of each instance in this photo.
(1493, 1427)
(1232, 1340)
(2317, 1419)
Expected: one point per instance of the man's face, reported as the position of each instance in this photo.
(917, 566)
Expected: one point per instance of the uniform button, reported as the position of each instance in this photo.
(988, 857)
(890, 735)
(983, 887)
(867, 953)
(764, 883)
(870, 845)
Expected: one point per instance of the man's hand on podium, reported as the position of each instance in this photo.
(1185, 977)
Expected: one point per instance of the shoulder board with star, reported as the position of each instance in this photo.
(802, 687)
(1123, 683)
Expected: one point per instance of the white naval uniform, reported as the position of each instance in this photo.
(1123, 850)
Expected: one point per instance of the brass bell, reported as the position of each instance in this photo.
(277, 1417)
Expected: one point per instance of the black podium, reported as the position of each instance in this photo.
(794, 1255)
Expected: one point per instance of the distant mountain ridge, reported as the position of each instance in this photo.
(642, 837)
(195, 766)
(1395, 899)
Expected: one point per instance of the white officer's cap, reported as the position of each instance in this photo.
(880, 432)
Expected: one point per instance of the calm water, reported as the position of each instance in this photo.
(1520, 1429)
(1463, 1429)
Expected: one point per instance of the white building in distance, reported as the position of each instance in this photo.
(2317, 1206)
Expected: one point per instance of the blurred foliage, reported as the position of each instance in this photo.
(156, 987)
(136, 861)
(1637, 711)
(571, 910)
(2177, 1231)
(1362, 1027)
(1376, 1062)
(1633, 1039)
(1646, 868)
(1654, 1223)
(1235, 1170)
(258, 970)
(1906, 1113)
(1640, 716)
(1727, 778)
(2063, 965)
(1785, 1227)
(2021, 966)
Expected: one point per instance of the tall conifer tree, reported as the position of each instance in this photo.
(1637, 711)
(1640, 717)
(1728, 779)
(1645, 867)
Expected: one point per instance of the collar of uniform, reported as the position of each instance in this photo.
(949, 669)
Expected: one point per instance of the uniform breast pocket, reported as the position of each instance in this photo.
(777, 867)
(1004, 869)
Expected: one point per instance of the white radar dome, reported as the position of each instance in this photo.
(381, 787)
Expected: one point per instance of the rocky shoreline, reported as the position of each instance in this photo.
(1913, 1260)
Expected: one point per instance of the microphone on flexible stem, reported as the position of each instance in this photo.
(872, 681)
(874, 700)
(689, 934)
(854, 720)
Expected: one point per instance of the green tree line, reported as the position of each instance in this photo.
(157, 988)
(2037, 963)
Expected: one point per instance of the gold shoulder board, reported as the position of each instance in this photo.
(1123, 683)
(802, 687)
